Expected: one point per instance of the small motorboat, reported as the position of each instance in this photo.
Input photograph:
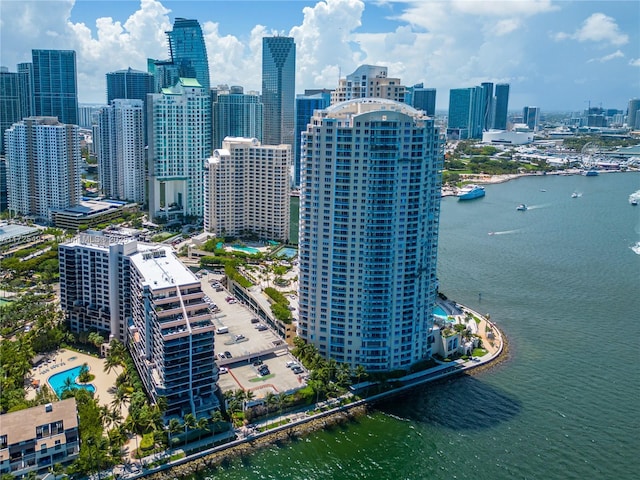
(521, 208)
(634, 202)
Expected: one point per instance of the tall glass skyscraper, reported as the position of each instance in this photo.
(305, 106)
(55, 85)
(236, 114)
(278, 90)
(188, 51)
(10, 111)
(502, 106)
(369, 216)
(487, 106)
(130, 84)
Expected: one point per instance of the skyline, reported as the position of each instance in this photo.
(559, 56)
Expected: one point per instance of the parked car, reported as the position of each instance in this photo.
(297, 370)
(240, 337)
(219, 289)
(223, 370)
(255, 320)
(228, 354)
(257, 363)
(222, 356)
(261, 328)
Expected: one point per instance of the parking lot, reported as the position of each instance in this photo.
(244, 343)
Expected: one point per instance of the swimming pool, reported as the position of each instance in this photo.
(56, 382)
(245, 249)
(438, 311)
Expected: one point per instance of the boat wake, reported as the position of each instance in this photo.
(634, 196)
(506, 232)
(636, 248)
(535, 207)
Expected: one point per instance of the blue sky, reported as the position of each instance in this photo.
(558, 55)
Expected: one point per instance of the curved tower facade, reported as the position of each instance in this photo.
(188, 51)
(369, 213)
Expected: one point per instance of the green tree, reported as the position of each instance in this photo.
(189, 422)
(174, 427)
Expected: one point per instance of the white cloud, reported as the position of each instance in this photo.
(506, 26)
(606, 58)
(597, 28)
(634, 62)
(502, 8)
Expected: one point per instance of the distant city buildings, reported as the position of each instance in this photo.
(371, 177)
(501, 106)
(236, 114)
(633, 114)
(55, 85)
(368, 81)
(130, 84)
(247, 190)
(422, 98)
(278, 89)
(531, 117)
(179, 132)
(43, 167)
(120, 147)
(171, 334)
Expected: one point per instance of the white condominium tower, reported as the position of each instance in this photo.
(369, 212)
(179, 127)
(43, 167)
(171, 334)
(94, 283)
(247, 188)
(120, 149)
(368, 81)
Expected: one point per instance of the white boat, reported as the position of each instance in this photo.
(574, 195)
(470, 192)
(521, 208)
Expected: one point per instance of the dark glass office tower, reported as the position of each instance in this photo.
(305, 106)
(424, 99)
(55, 85)
(10, 111)
(278, 89)
(188, 51)
(502, 105)
(129, 84)
(487, 106)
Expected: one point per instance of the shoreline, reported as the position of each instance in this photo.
(214, 457)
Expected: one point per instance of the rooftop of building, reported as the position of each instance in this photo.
(10, 230)
(358, 106)
(91, 207)
(21, 426)
(161, 268)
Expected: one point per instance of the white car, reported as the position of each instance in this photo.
(223, 370)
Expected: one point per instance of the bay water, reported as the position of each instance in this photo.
(562, 280)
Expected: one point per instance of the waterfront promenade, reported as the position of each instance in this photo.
(305, 420)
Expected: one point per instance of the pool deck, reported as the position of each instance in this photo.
(63, 359)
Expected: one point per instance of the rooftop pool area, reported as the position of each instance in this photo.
(57, 381)
(287, 252)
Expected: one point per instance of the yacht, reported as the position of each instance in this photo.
(521, 208)
(469, 192)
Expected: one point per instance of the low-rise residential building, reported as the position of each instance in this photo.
(32, 440)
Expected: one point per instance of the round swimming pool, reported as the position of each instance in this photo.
(57, 381)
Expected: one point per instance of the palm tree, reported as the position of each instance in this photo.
(174, 427)
(269, 400)
(189, 424)
(281, 401)
(216, 418)
(248, 396)
(120, 398)
(203, 426)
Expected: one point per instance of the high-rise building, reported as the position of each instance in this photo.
(28, 102)
(43, 167)
(531, 116)
(55, 85)
(278, 90)
(130, 84)
(369, 216)
(10, 111)
(368, 81)
(501, 106)
(305, 106)
(4, 205)
(95, 291)
(88, 115)
(179, 132)
(236, 114)
(422, 98)
(171, 334)
(465, 113)
(188, 51)
(487, 106)
(247, 189)
(119, 143)
(633, 114)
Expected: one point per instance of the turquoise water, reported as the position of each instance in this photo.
(57, 381)
(439, 311)
(562, 281)
(245, 249)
